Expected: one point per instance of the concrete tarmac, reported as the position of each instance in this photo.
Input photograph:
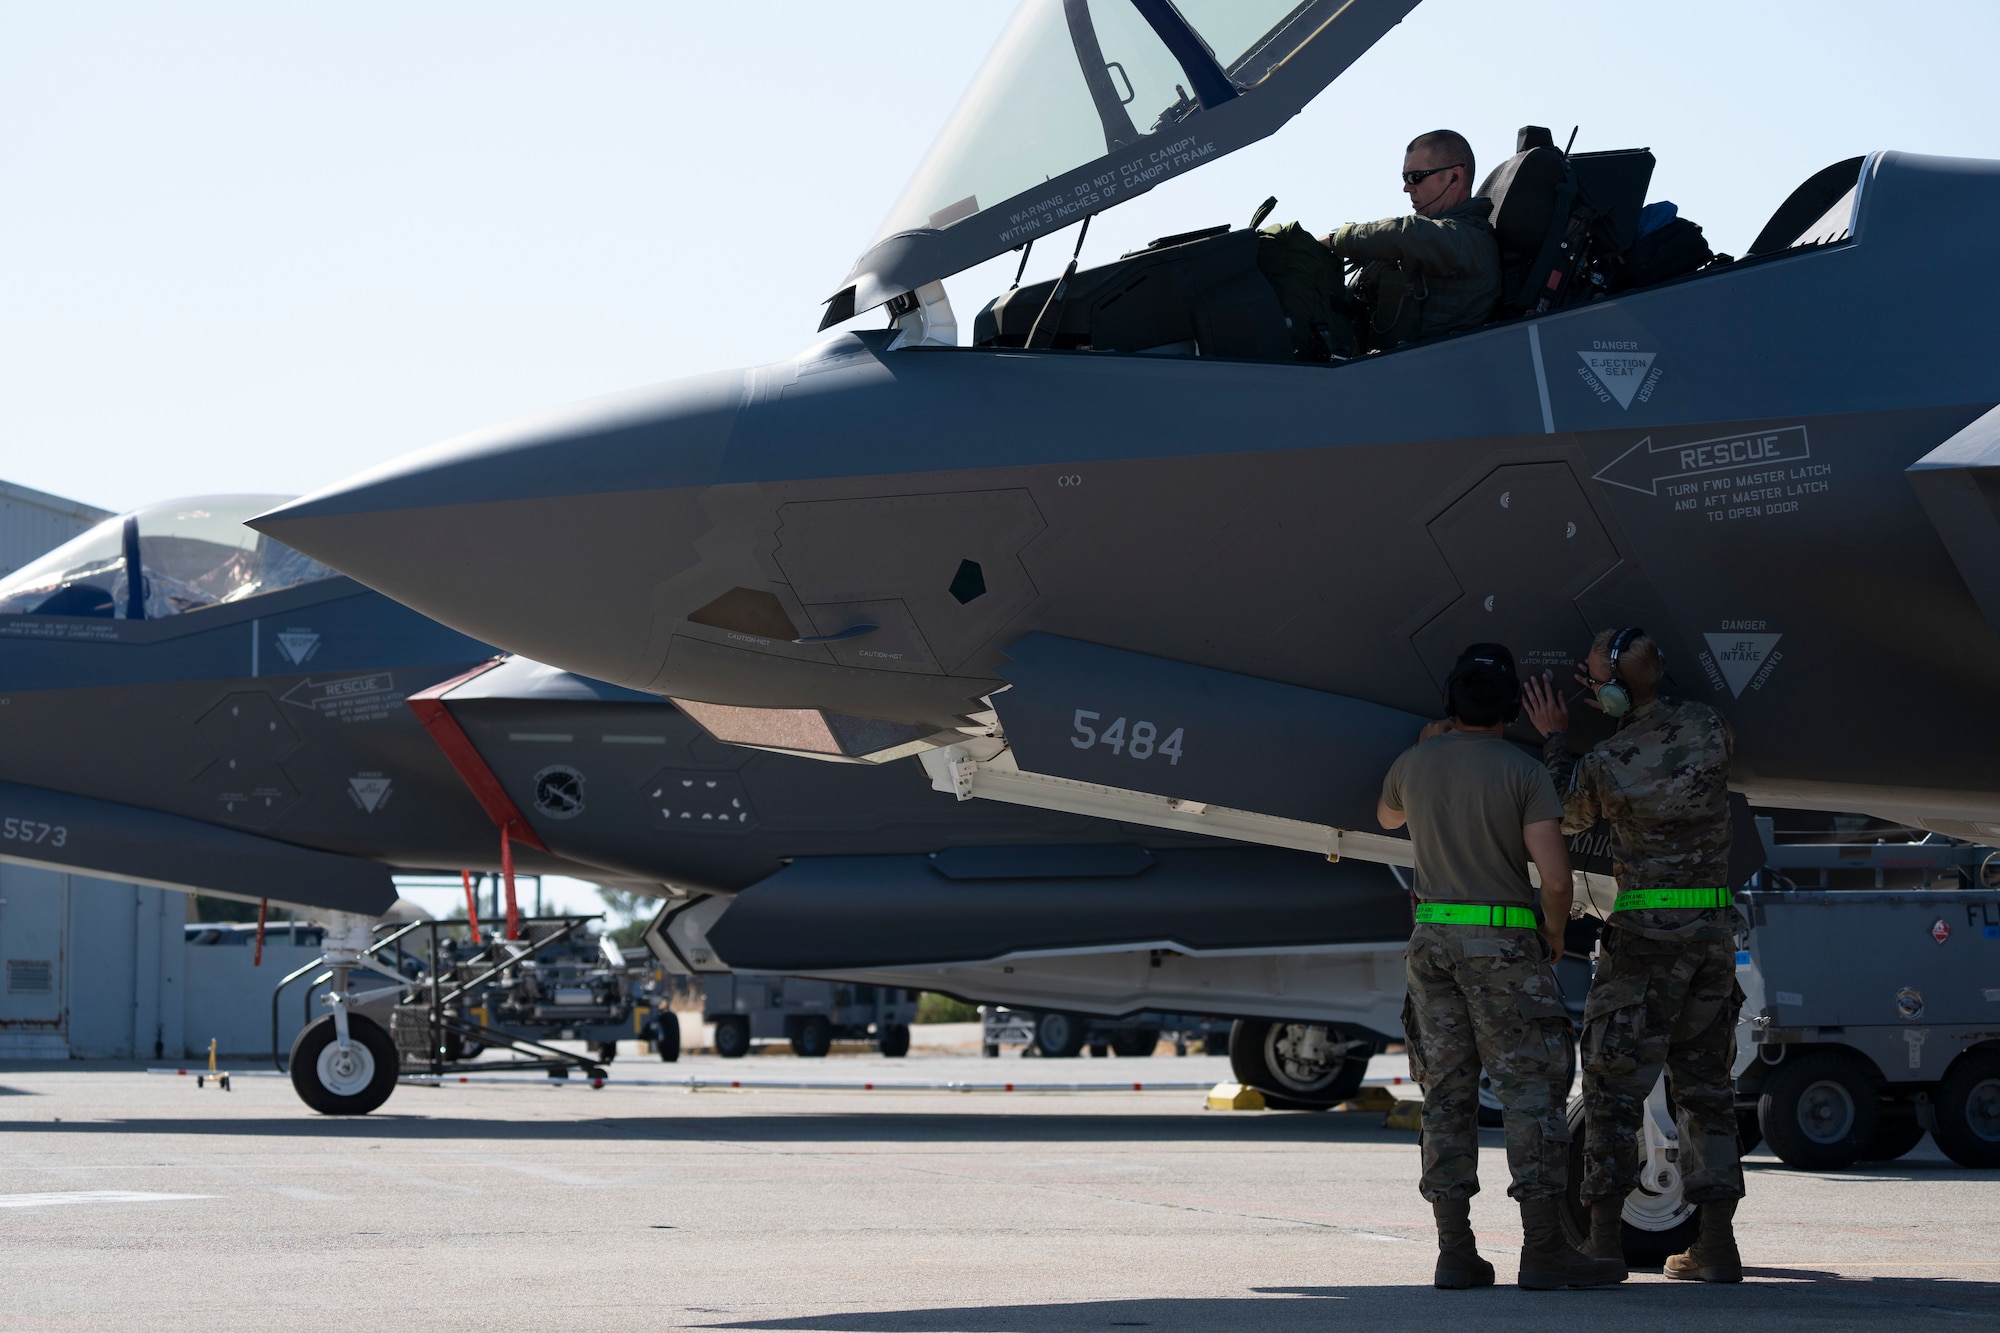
(135, 1201)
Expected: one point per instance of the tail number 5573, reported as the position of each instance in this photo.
(30, 830)
(1141, 741)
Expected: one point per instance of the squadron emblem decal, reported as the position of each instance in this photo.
(559, 792)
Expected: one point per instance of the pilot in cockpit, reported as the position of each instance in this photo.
(1436, 270)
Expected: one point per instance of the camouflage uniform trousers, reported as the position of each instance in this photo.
(1485, 996)
(1655, 1003)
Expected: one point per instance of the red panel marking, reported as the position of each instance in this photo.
(429, 706)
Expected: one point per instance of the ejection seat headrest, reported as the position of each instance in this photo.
(1523, 191)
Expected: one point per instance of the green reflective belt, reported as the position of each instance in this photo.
(1632, 900)
(1475, 914)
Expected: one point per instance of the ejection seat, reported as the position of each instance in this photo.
(1562, 219)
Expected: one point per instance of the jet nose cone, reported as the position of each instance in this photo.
(546, 535)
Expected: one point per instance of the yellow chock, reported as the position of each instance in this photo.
(1407, 1113)
(1369, 1099)
(1234, 1097)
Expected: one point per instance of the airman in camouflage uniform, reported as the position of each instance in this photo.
(1664, 994)
(1481, 991)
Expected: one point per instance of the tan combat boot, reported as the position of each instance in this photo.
(1607, 1229)
(1459, 1265)
(1548, 1262)
(1713, 1257)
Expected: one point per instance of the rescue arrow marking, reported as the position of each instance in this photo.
(313, 695)
(1645, 465)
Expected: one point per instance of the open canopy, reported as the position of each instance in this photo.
(1085, 103)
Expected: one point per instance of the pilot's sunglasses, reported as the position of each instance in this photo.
(1416, 177)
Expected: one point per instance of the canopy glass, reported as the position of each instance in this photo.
(190, 554)
(1084, 103)
(1069, 81)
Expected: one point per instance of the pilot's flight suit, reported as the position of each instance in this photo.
(1424, 276)
(1665, 990)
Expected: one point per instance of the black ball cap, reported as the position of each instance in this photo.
(1486, 657)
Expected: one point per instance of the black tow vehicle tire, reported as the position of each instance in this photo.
(1897, 1130)
(1060, 1036)
(1135, 1042)
(667, 1037)
(1819, 1111)
(353, 1083)
(732, 1036)
(1968, 1109)
(895, 1040)
(813, 1038)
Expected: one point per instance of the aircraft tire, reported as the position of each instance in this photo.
(1968, 1109)
(895, 1041)
(1644, 1248)
(667, 1037)
(813, 1038)
(353, 1085)
(732, 1036)
(1262, 1056)
(607, 1051)
(1818, 1110)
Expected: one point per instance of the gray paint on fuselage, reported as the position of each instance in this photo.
(627, 752)
(1276, 520)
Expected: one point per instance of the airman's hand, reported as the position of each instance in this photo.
(1437, 728)
(1552, 933)
(1588, 685)
(1543, 703)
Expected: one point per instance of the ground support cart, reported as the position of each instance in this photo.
(444, 1000)
(747, 1008)
(1870, 1018)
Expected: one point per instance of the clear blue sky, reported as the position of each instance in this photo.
(259, 246)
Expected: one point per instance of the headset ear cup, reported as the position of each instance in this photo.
(1614, 700)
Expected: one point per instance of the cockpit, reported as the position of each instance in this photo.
(1083, 104)
(165, 560)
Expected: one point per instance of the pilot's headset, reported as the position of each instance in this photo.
(1615, 698)
(1492, 660)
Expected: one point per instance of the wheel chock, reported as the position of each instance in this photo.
(1407, 1113)
(1369, 1099)
(1234, 1097)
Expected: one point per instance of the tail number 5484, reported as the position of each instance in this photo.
(1142, 740)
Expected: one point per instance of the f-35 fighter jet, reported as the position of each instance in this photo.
(1128, 554)
(186, 703)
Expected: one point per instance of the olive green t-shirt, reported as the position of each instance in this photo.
(1468, 795)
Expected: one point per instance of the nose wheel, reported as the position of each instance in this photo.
(350, 1080)
(1659, 1222)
